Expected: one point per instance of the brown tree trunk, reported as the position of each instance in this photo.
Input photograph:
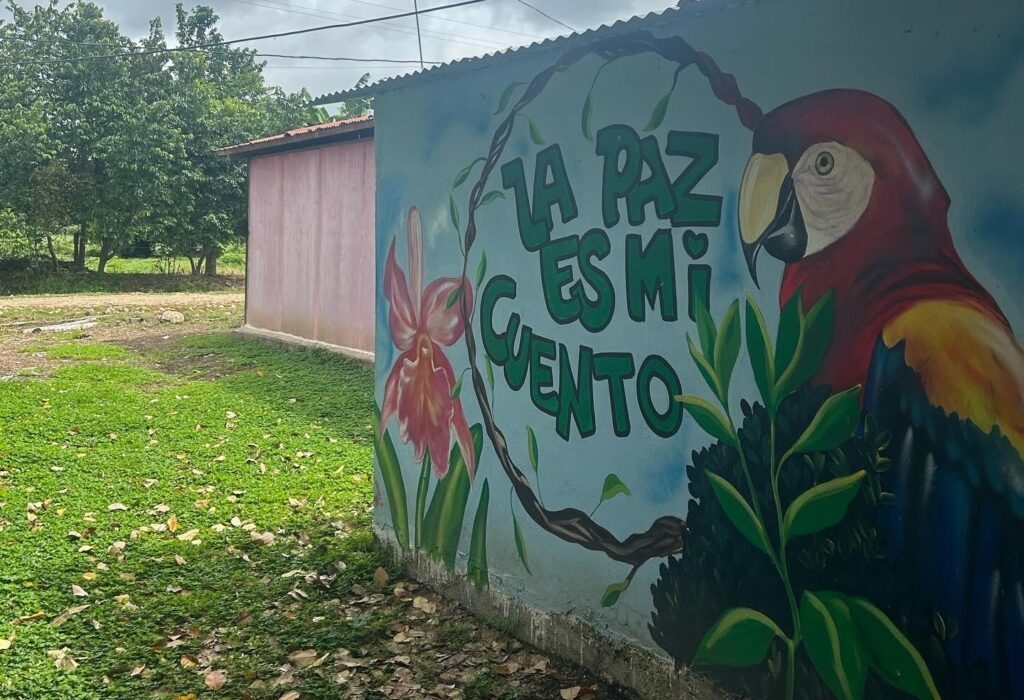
(53, 253)
(211, 261)
(79, 245)
(106, 253)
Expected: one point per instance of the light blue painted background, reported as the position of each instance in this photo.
(954, 70)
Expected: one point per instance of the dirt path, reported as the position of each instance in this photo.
(138, 299)
(125, 319)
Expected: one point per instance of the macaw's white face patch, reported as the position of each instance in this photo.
(833, 186)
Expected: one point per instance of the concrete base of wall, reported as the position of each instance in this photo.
(296, 341)
(651, 676)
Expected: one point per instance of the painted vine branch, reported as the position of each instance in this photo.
(666, 534)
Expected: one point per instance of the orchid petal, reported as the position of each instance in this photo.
(425, 403)
(389, 406)
(443, 323)
(414, 230)
(402, 316)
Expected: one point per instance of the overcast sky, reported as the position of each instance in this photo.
(489, 26)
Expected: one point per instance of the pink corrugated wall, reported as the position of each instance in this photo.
(311, 256)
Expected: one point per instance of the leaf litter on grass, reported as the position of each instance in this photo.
(151, 567)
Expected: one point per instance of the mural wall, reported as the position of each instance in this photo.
(702, 328)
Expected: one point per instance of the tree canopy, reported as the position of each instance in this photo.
(111, 149)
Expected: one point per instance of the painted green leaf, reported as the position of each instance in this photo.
(481, 269)
(709, 418)
(520, 542)
(706, 370)
(658, 113)
(739, 512)
(442, 526)
(833, 424)
(705, 329)
(788, 334)
(394, 484)
(889, 653)
(740, 637)
(815, 336)
(821, 506)
(453, 212)
(614, 590)
(490, 373)
(833, 645)
(535, 134)
(476, 568)
(453, 298)
(762, 359)
(506, 95)
(586, 120)
(727, 348)
(531, 447)
(461, 176)
(491, 196)
(421, 498)
(613, 486)
(457, 389)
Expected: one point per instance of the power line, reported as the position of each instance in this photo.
(455, 21)
(556, 21)
(294, 32)
(413, 61)
(310, 12)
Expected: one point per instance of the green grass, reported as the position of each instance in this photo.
(80, 351)
(281, 439)
(44, 281)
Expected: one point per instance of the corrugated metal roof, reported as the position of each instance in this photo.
(303, 135)
(444, 69)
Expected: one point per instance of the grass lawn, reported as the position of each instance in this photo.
(194, 519)
(188, 517)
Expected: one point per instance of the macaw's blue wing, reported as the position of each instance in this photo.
(947, 386)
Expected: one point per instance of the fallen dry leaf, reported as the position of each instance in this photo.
(189, 536)
(290, 695)
(62, 660)
(570, 693)
(380, 577)
(117, 506)
(424, 604)
(67, 614)
(303, 658)
(215, 680)
(78, 591)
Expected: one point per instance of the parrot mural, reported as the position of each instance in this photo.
(840, 190)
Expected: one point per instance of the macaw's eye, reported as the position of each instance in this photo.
(824, 163)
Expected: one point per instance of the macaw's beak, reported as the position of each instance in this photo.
(769, 212)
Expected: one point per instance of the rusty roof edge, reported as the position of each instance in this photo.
(285, 140)
(654, 18)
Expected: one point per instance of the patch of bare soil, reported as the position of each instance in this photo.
(130, 320)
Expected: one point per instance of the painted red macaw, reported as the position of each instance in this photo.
(839, 189)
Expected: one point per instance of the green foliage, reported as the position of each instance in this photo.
(740, 637)
(121, 149)
(476, 569)
(442, 524)
(822, 625)
(394, 484)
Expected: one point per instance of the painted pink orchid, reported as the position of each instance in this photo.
(419, 387)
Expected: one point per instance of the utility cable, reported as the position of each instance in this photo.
(227, 42)
(556, 21)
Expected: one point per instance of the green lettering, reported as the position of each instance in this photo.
(518, 362)
(496, 345)
(650, 274)
(614, 143)
(616, 368)
(595, 314)
(694, 209)
(541, 376)
(532, 233)
(575, 398)
(664, 423)
(554, 277)
(654, 188)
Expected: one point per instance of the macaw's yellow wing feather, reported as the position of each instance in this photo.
(969, 364)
